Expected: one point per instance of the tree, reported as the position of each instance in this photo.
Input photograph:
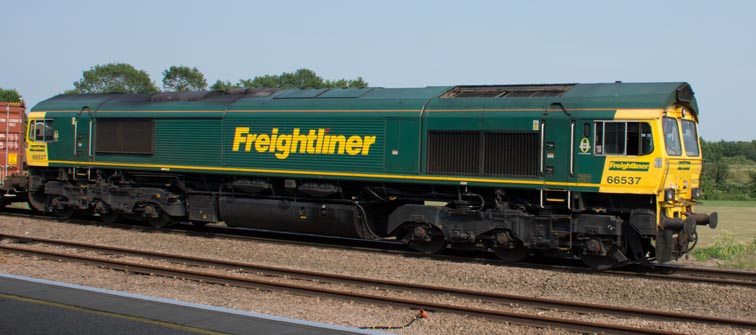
(721, 172)
(223, 85)
(302, 78)
(358, 83)
(260, 81)
(114, 78)
(9, 95)
(752, 185)
(343, 83)
(183, 78)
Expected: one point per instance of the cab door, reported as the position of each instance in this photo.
(589, 159)
(558, 161)
(40, 134)
(83, 129)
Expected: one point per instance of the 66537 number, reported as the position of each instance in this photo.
(623, 180)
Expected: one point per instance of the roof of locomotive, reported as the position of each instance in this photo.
(609, 96)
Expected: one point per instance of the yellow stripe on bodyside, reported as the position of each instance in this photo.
(333, 174)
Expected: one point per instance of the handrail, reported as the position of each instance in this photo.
(572, 148)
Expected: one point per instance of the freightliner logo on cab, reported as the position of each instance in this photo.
(629, 166)
(312, 142)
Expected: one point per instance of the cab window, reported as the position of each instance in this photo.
(690, 138)
(672, 136)
(42, 131)
(623, 138)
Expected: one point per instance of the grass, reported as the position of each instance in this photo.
(725, 247)
(745, 262)
(727, 204)
(727, 252)
(733, 243)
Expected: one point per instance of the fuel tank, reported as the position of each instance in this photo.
(330, 219)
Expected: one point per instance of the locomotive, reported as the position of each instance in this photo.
(608, 173)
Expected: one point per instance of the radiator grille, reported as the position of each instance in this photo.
(512, 154)
(483, 153)
(125, 136)
(454, 152)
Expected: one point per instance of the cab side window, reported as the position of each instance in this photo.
(623, 138)
(42, 131)
(614, 138)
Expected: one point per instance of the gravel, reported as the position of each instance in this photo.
(706, 299)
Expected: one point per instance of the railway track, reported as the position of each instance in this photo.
(714, 275)
(394, 293)
(661, 272)
(694, 275)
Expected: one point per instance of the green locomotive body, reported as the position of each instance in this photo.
(583, 169)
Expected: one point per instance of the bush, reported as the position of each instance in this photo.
(9, 95)
(725, 248)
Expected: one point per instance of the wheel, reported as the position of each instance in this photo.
(60, 208)
(162, 220)
(37, 201)
(428, 247)
(508, 248)
(64, 213)
(110, 217)
(516, 254)
(424, 238)
(600, 262)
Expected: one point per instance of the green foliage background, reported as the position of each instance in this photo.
(182, 79)
(729, 171)
(302, 78)
(10, 95)
(124, 78)
(114, 78)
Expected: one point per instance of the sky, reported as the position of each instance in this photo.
(47, 44)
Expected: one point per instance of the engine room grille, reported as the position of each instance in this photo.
(454, 152)
(484, 153)
(125, 136)
(512, 154)
(508, 91)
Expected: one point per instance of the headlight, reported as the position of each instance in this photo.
(669, 194)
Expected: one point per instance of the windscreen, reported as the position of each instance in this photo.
(672, 137)
(690, 138)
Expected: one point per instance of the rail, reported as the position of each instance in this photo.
(660, 272)
(530, 319)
